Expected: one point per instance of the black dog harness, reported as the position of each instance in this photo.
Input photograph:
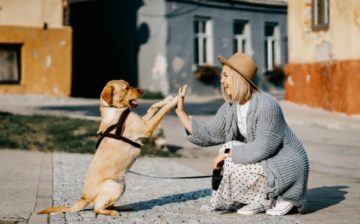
(118, 135)
(118, 132)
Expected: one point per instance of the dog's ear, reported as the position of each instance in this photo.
(107, 94)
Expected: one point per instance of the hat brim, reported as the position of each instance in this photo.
(224, 61)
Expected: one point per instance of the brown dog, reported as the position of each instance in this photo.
(104, 183)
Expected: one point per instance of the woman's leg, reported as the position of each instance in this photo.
(241, 184)
(216, 200)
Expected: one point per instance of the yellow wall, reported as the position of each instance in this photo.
(31, 12)
(45, 60)
(340, 42)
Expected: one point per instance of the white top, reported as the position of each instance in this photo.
(241, 115)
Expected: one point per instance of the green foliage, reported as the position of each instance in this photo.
(276, 76)
(47, 133)
(53, 133)
(147, 94)
(207, 73)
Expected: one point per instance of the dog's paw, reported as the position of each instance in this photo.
(168, 99)
(174, 101)
(115, 213)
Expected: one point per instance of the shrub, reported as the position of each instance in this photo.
(207, 73)
(276, 76)
(147, 94)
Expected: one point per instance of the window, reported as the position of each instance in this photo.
(241, 37)
(272, 45)
(203, 49)
(320, 14)
(10, 63)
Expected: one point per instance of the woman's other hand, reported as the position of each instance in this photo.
(218, 159)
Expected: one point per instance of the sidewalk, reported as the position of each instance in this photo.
(331, 140)
(26, 185)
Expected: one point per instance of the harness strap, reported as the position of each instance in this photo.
(122, 138)
(120, 124)
(118, 132)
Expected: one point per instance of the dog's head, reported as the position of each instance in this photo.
(118, 93)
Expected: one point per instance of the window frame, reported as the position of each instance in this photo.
(17, 48)
(273, 44)
(203, 53)
(315, 25)
(244, 37)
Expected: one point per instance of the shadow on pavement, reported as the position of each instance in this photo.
(326, 196)
(176, 198)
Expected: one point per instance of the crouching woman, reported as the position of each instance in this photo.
(267, 167)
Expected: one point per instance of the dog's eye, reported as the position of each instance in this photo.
(127, 88)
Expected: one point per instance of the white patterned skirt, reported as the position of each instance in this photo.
(240, 185)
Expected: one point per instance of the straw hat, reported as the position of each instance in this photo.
(242, 64)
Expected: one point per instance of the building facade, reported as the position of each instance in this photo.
(324, 54)
(188, 35)
(35, 48)
(157, 45)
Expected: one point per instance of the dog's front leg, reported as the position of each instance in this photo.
(152, 124)
(155, 108)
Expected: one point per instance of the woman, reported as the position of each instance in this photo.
(267, 167)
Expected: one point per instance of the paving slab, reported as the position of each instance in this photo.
(26, 185)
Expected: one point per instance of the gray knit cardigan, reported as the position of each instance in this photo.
(270, 142)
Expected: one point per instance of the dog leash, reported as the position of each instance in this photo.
(187, 177)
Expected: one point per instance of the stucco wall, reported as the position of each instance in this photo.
(324, 66)
(332, 85)
(31, 12)
(45, 60)
(340, 42)
(153, 64)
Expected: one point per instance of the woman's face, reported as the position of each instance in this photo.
(226, 80)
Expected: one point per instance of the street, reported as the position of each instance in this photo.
(330, 139)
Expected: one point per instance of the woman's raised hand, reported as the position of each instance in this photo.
(180, 110)
(182, 92)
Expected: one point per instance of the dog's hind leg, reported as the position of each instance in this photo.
(108, 196)
(79, 205)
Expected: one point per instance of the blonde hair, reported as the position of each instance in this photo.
(241, 91)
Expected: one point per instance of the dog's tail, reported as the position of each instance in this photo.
(76, 207)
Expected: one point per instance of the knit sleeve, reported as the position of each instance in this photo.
(268, 134)
(212, 132)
